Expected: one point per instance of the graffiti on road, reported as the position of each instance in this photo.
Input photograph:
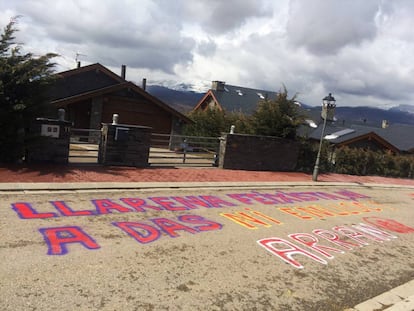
(342, 203)
(57, 238)
(359, 235)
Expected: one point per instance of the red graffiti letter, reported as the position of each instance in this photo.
(389, 224)
(286, 253)
(206, 225)
(25, 211)
(105, 206)
(191, 201)
(334, 238)
(141, 232)
(57, 238)
(168, 204)
(214, 201)
(65, 210)
(170, 226)
(139, 204)
(310, 241)
(378, 234)
(353, 234)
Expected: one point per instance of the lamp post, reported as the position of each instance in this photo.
(328, 108)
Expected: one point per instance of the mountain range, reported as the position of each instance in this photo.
(184, 99)
(181, 100)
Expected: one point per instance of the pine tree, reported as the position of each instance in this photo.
(278, 117)
(24, 80)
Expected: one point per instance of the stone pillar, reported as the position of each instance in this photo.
(51, 142)
(126, 145)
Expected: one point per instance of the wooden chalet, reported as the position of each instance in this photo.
(92, 94)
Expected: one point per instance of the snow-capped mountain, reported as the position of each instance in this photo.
(403, 108)
(183, 100)
(198, 87)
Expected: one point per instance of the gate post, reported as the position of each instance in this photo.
(50, 142)
(123, 144)
(185, 145)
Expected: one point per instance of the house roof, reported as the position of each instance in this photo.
(397, 136)
(96, 80)
(83, 79)
(400, 135)
(236, 98)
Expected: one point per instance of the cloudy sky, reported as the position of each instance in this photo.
(362, 51)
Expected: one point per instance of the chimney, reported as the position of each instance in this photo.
(115, 119)
(144, 84)
(123, 71)
(385, 124)
(218, 85)
(61, 114)
(79, 64)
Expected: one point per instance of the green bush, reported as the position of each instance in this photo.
(357, 161)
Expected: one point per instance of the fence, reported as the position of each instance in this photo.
(165, 150)
(179, 150)
(84, 146)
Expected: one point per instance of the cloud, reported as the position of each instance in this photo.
(324, 27)
(206, 47)
(120, 31)
(219, 17)
(361, 51)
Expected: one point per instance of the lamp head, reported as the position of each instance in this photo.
(328, 107)
(329, 101)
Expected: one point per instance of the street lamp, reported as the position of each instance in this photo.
(328, 109)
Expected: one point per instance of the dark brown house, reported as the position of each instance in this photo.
(92, 94)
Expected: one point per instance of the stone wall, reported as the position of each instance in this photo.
(126, 145)
(50, 141)
(258, 153)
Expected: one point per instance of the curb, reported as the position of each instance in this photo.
(128, 186)
(400, 298)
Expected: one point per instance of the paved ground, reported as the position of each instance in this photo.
(55, 174)
(203, 239)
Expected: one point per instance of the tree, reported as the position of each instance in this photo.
(242, 123)
(278, 117)
(208, 123)
(214, 122)
(24, 80)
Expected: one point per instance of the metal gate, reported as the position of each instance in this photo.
(165, 150)
(179, 150)
(84, 146)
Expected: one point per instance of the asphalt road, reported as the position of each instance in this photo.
(287, 248)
